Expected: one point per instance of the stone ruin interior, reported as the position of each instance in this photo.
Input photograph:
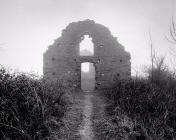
(108, 61)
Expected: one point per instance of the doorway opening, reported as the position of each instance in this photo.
(86, 47)
(87, 76)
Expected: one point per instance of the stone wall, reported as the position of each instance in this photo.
(111, 61)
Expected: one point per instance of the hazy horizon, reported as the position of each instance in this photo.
(28, 27)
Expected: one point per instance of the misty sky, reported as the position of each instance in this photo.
(27, 27)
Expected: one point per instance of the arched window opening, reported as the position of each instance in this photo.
(86, 47)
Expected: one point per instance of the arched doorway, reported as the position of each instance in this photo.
(87, 76)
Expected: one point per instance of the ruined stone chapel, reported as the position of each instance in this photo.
(110, 60)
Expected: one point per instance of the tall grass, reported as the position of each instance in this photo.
(30, 108)
(150, 104)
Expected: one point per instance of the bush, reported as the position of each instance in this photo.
(160, 75)
(30, 108)
(152, 108)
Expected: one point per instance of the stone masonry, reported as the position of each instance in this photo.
(111, 61)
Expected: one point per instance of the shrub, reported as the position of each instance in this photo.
(160, 74)
(152, 108)
(30, 107)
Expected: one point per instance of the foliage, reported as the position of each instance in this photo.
(151, 106)
(30, 108)
(161, 75)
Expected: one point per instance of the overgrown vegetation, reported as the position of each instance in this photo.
(30, 108)
(149, 103)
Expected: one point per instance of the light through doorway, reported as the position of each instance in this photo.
(87, 76)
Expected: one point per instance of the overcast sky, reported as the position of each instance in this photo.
(27, 27)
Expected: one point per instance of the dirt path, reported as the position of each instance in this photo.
(80, 117)
(86, 126)
(93, 112)
(86, 119)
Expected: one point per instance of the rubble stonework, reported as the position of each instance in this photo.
(111, 61)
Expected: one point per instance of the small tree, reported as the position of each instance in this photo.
(173, 31)
(172, 39)
(152, 55)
